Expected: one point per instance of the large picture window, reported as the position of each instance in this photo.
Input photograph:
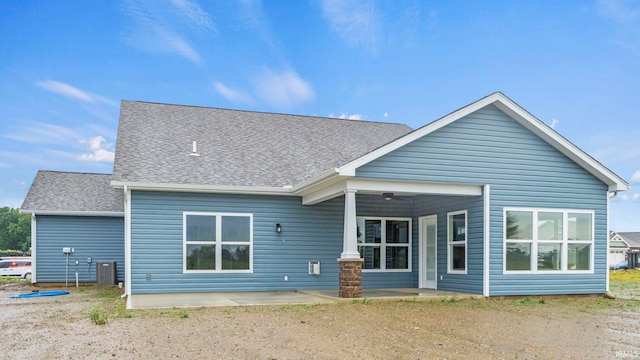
(217, 242)
(548, 240)
(385, 243)
(457, 242)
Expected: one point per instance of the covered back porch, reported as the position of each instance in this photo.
(417, 235)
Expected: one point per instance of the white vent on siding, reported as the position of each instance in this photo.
(194, 149)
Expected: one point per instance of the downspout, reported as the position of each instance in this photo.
(33, 248)
(127, 246)
(610, 196)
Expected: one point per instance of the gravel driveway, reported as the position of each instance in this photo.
(63, 327)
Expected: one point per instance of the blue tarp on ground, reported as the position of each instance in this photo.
(41, 293)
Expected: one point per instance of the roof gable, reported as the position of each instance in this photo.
(236, 148)
(70, 193)
(517, 113)
(631, 238)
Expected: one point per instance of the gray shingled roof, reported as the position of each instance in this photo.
(632, 238)
(236, 148)
(53, 191)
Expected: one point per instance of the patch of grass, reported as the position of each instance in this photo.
(450, 300)
(183, 314)
(464, 303)
(631, 276)
(526, 302)
(108, 293)
(97, 317)
(363, 301)
(9, 279)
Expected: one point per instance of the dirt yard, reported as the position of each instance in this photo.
(64, 327)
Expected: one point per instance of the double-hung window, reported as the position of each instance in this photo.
(548, 240)
(457, 242)
(385, 243)
(217, 242)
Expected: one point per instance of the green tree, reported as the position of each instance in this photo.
(15, 230)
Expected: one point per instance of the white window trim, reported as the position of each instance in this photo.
(534, 243)
(465, 243)
(383, 244)
(218, 242)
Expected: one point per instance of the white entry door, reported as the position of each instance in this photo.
(428, 252)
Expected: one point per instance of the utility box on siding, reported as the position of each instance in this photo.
(106, 273)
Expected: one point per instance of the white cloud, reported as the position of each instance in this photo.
(231, 94)
(636, 197)
(73, 93)
(625, 197)
(354, 21)
(620, 11)
(193, 15)
(635, 178)
(283, 89)
(346, 115)
(20, 184)
(155, 27)
(177, 44)
(100, 150)
(42, 133)
(386, 114)
(626, 15)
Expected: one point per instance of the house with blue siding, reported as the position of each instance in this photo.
(486, 200)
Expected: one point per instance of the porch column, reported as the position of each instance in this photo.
(350, 236)
(350, 274)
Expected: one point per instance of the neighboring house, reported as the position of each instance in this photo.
(486, 200)
(620, 243)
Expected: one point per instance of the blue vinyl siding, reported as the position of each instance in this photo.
(488, 147)
(309, 233)
(471, 282)
(101, 238)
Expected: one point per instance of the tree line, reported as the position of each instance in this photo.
(15, 230)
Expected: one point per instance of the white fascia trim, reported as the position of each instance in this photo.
(74, 213)
(324, 194)
(315, 181)
(563, 145)
(380, 186)
(252, 190)
(519, 114)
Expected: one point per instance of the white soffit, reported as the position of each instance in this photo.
(399, 188)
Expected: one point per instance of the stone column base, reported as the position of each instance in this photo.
(350, 276)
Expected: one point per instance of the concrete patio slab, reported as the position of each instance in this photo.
(182, 300)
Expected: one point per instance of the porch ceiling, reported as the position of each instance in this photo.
(398, 188)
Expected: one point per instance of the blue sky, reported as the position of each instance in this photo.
(65, 66)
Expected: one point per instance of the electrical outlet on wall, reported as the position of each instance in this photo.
(88, 260)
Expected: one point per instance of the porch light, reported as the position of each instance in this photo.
(278, 228)
(387, 196)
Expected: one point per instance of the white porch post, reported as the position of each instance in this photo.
(350, 237)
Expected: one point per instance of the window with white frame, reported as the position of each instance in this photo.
(457, 242)
(217, 242)
(385, 243)
(548, 240)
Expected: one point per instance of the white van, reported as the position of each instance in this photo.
(16, 267)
